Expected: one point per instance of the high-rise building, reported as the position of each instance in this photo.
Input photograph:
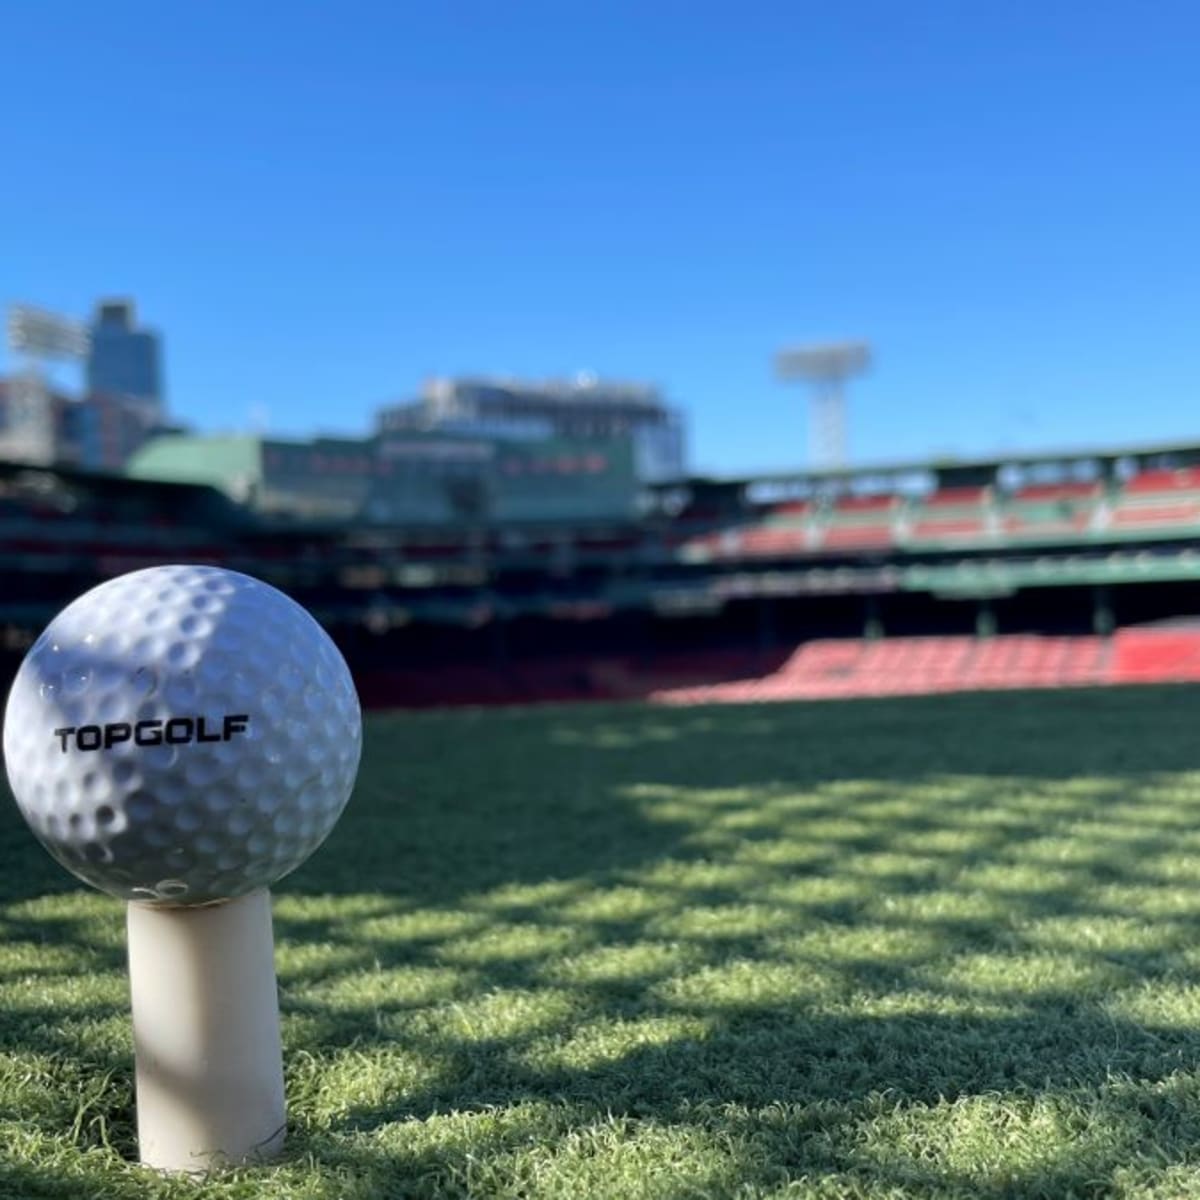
(102, 431)
(41, 425)
(124, 360)
(583, 408)
(120, 407)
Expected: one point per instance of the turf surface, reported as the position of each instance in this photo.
(920, 947)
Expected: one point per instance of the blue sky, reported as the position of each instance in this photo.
(321, 204)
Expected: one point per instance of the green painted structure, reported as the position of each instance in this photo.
(407, 479)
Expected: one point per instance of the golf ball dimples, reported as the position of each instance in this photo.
(182, 735)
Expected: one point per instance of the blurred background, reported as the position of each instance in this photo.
(621, 350)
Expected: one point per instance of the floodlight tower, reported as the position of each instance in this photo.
(827, 367)
(39, 338)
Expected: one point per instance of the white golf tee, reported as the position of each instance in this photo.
(208, 1057)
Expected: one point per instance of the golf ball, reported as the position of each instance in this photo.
(182, 735)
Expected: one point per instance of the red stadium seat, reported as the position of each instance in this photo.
(1183, 479)
(1042, 492)
(766, 542)
(857, 537)
(1156, 655)
(911, 666)
(950, 528)
(958, 497)
(1142, 517)
(952, 515)
(872, 504)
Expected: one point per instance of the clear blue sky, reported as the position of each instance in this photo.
(320, 204)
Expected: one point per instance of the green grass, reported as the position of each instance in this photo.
(924, 947)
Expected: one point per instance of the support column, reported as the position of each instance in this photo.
(872, 619)
(766, 626)
(985, 620)
(1103, 620)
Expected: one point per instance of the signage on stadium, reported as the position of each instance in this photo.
(441, 451)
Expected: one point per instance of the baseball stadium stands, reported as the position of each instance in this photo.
(968, 576)
(951, 516)
(903, 666)
(1151, 503)
(816, 670)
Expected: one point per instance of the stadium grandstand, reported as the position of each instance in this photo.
(1074, 567)
(581, 408)
(415, 479)
(466, 452)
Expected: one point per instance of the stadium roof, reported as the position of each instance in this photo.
(948, 463)
(186, 458)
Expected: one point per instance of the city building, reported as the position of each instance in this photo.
(124, 360)
(102, 431)
(583, 408)
(32, 420)
(44, 426)
(121, 404)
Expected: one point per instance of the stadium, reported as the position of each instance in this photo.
(577, 580)
(485, 716)
(599, 920)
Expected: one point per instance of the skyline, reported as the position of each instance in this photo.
(60, 373)
(319, 216)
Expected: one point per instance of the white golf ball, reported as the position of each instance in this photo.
(182, 735)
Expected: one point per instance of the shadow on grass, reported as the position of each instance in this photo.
(451, 804)
(1021, 926)
(814, 935)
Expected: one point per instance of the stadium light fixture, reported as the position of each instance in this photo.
(39, 338)
(45, 336)
(826, 367)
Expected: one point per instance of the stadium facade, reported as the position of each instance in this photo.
(1079, 544)
(467, 452)
(411, 478)
(584, 408)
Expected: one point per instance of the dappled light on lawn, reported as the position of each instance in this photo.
(936, 947)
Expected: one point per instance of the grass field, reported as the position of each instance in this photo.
(922, 947)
